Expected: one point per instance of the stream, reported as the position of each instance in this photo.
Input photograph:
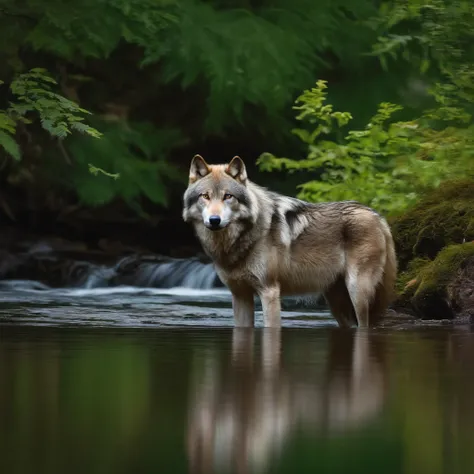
(141, 371)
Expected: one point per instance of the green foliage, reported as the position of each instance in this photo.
(9, 144)
(59, 116)
(240, 56)
(433, 33)
(95, 171)
(259, 56)
(358, 167)
(33, 95)
(89, 28)
(205, 67)
(135, 153)
(228, 64)
(390, 164)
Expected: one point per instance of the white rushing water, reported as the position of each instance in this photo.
(177, 273)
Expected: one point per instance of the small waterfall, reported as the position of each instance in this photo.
(184, 273)
(43, 264)
(152, 272)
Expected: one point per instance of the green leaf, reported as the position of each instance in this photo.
(10, 145)
(95, 171)
(7, 123)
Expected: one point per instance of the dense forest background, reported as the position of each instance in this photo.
(103, 103)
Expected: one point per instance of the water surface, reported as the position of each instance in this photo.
(131, 380)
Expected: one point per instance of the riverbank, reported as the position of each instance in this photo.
(435, 249)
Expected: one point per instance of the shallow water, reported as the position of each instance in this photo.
(129, 380)
(25, 302)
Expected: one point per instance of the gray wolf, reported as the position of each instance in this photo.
(270, 245)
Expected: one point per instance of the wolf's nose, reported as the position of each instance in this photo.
(214, 221)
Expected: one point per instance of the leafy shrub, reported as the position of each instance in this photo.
(389, 164)
(135, 153)
(126, 161)
(33, 96)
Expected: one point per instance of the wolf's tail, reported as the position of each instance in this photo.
(385, 290)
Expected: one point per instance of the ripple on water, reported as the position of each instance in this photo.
(31, 303)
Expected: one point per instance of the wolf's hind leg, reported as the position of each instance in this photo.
(271, 306)
(362, 278)
(244, 309)
(340, 304)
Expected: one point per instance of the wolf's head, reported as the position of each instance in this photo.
(217, 195)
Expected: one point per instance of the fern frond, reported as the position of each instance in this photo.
(94, 28)
(58, 115)
(6, 122)
(10, 145)
(260, 57)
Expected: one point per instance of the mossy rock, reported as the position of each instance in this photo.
(442, 288)
(407, 281)
(444, 217)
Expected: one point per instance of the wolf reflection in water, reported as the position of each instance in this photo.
(242, 414)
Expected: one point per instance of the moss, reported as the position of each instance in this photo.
(444, 217)
(406, 279)
(439, 273)
(428, 295)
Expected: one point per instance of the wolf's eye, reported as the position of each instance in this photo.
(205, 196)
(227, 196)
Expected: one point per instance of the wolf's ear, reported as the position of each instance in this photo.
(199, 168)
(236, 169)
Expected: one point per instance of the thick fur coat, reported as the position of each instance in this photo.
(266, 244)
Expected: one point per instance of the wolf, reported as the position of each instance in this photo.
(270, 245)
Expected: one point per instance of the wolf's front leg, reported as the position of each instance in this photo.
(271, 306)
(244, 309)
